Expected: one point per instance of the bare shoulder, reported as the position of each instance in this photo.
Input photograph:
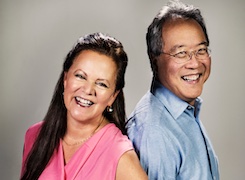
(129, 167)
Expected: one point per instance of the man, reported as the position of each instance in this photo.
(165, 128)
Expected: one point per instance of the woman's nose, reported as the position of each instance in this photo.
(88, 88)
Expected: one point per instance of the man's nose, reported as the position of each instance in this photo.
(193, 61)
(191, 55)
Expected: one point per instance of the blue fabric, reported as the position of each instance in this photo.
(169, 138)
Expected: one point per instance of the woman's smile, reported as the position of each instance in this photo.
(83, 102)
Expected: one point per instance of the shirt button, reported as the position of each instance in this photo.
(189, 107)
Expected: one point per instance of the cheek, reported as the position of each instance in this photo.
(208, 69)
(171, 71)
(70, 85)
(106, 98)
(69, 89)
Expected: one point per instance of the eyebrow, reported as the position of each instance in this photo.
(103, 80)
(79, 71)
(99, 79)
(203, 43)
(180, 46)
(176, 47)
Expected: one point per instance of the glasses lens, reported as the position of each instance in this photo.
(202, 53)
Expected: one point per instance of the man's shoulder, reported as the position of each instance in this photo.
(148, 103)
(148, 111)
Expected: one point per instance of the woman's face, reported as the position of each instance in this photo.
(89, 86)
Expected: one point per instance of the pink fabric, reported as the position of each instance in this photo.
(95, 159)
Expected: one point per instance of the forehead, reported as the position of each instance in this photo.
(94, 63)
(181, 32)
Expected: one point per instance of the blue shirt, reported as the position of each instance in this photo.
(169, 138)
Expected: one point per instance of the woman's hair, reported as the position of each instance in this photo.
(173, 10)
(55, 124)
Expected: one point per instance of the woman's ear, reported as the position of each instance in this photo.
(116, 93)
(64, 80)
(113, 97)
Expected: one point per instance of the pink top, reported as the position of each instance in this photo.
(96, 159)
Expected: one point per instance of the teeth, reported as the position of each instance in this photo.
(191, 78)
(83, 102)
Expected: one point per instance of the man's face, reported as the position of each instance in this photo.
(184, 79)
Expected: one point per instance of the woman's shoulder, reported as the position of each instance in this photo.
(115, 133)
(116, 140)
(30, 138)
(33, 131)
(130, 163)
(34, 128)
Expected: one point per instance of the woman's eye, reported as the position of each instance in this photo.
(102, 84)
(80, 76)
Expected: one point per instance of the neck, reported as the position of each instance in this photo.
(80, 131)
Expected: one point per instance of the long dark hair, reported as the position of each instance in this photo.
(54, 125)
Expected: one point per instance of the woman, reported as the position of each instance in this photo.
(81, 136)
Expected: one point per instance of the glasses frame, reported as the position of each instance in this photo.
(189, 54)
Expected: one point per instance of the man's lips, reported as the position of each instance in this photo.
(83, 102)
(189, 78)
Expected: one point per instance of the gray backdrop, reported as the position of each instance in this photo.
(35, 36)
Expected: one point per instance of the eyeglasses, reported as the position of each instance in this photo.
(184, 56)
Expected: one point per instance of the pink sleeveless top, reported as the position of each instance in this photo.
(96, 159)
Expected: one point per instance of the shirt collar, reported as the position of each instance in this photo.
(174, 104)
(198, 103)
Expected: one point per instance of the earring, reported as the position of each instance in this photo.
(109, 109)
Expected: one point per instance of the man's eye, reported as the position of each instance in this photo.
(202, 51)
(181, 54)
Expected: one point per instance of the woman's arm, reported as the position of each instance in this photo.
(129, 167)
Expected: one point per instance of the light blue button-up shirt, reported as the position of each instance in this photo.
(170, 139)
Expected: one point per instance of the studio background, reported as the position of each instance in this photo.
(35, 37)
